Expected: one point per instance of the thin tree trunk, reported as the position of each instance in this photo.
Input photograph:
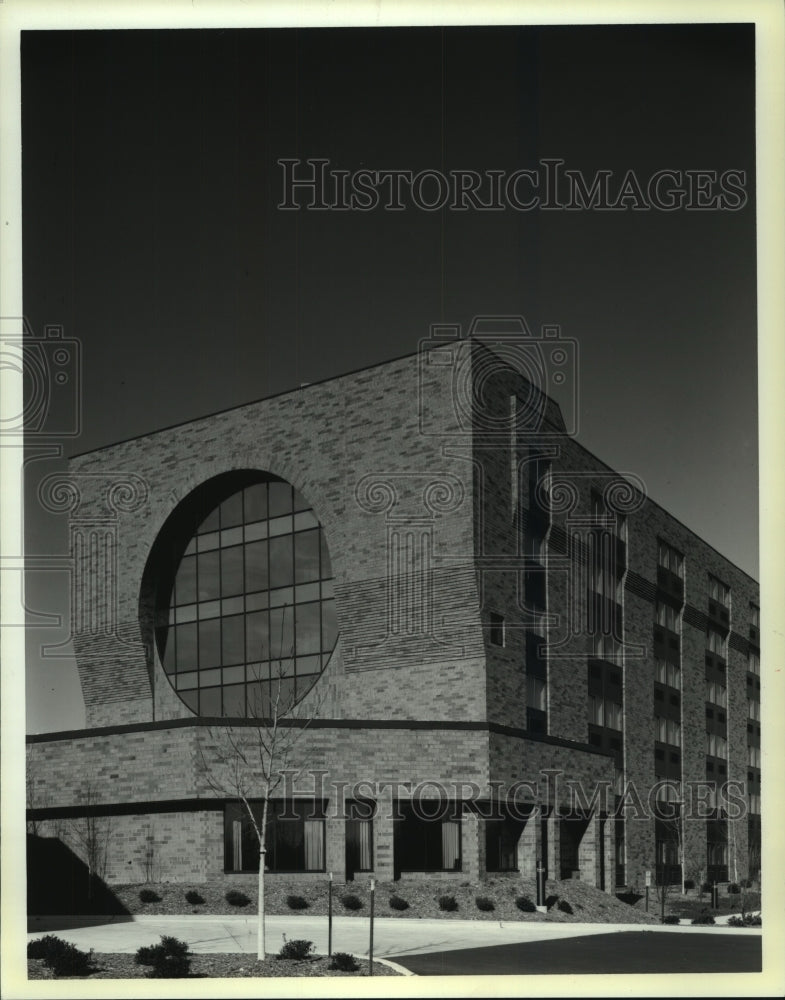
(260, 942)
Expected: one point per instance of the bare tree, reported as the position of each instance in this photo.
(91, 835)
(249, 763)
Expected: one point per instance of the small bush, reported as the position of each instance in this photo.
(193, 897)
(297, 903)
(149, 896)
(344, 962)
(689, 883)
(630, 898)
(551, 901)
(733, 888)
(448, 903)
(671, 918)
(746, 883)
(45, 948)
(564, 906)
(72, 962)
(485, 904)
(236, 898)
(168, 960)
(62, 957)
(296, 950)
(748, 920)
(525, 904)
(704, 918)
(396, 903)
(351, 902)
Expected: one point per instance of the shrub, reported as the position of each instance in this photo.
(485, 904)
(448, 903)
(671, 918)
(396, 903)
(525, 904)
(689, 883)
(149, 896)
(733, 888)
(62, 957)
(296, 950)
(236, 898)
(630, 898)
(551, 901)
(746, 883)
(351, 902)
(564, 906)
(168, 960)
(703, 918)
(297, 903)
(344, 962)
(45, 947)
(193, 897)
(748, 920)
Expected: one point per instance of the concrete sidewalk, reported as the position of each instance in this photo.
(392, 936)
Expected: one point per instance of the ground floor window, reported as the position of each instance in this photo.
(501, 844)
(425, 842)
(295, 839)
(359, 837)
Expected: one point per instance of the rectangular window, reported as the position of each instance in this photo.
(753, 662)
(755, 615)
(295, 839)
(613, 715)
(670, 559)
(753, 710)
(496, 626)
(753, 756)
(718, 591)
(597, 711)
(717, 693)
(606, 647)
(667, 616)
(715, 642)
(536, 693)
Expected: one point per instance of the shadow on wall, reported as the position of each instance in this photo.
(59, 884)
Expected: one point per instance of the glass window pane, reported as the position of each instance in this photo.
(281, 562)
(233, 675)
(210, 522)
(209, 586)
(257, 636)
(308, 629)
(281, 632)
(306, 556)
(255, 503)
(329, 626)
(234, 700)
(233, 639)
(210, 701)
(209, 541)
(169, 657)
(305, 683)
(186, 646)
(185, 585)
(232, 571)
(232, 511)
(256, 566)
(280, 499)
(280, 525)
(188, 681)
(209, 643)
(327, 571)
(258, 695)
(191, 699)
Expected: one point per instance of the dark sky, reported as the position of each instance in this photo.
(152, 235)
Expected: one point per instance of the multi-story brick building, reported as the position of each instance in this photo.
(504, 650)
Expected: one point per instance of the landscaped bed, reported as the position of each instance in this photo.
(501, 899)
(218, 966)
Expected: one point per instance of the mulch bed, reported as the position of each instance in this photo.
(588, 904)
(219, 966)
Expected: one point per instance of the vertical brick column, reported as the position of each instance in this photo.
(473, 846)
(335, 835)
(554, 845)
(530, 846)
(383, 842)
(587, 852)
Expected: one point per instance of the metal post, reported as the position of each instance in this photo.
(540, 883)
(647, 899)
(330, 916)
(370, 950)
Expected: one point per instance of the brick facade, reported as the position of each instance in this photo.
(413, 502)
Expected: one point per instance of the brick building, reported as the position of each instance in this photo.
(504, 650)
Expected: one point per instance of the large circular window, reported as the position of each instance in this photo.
(246, 612)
